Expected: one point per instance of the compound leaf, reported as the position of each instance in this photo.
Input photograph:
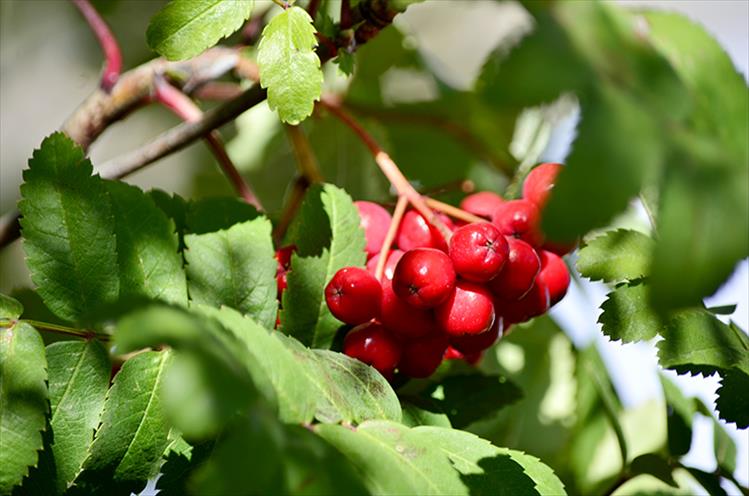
(68, 230)
(23, 402)
(327, 235)
(289, 66)
(184, 28)
(235, 267)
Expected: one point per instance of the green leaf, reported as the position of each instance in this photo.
(680, 413)
(147, 247)
(289, 66)
(724, 448)
(416, 412)
(297, 397)
(345, 61)
(394, 459)
(603, 172)
(347, 390)
(179, 460)
(235, 267)
(627, 315)
(327, 235)
(470, 397)
(78, 382)
(68, 230)
(214, 214)
(654, 465)
(133, 433)
(710, 481)
(732, 403)
(23, 402)
(184, 28)
(210, 365)
(621, 255)
(10, 308)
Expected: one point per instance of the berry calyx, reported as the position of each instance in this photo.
(478, 251)
(373, 345)
(539, 183)
(473, 343)
(519, 218)
(483, 203)
(353, 295)
(424, 277)
(554, 276)
(519, 272)
(468, 310)
(402, 319)
(393, 257)
(416, 232)
(421, 357)
(375, 221)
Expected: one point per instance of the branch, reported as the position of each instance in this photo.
(181, 105)
(108, 42)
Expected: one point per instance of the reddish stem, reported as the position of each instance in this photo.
(388, 167)
(181, 105)
(346, 17)
(400, 209)
(112, 54)
(454, 212)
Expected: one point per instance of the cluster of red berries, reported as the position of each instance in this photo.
(445, 300)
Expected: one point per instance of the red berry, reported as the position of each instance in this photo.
(353, 295)
(553, 277)
(478, 251)
(424, 277)
(519, 218)
(392, 261)
(472, 358)
(416, 232)
(472, 343)
(283, 255)
(533, 304)
(539, 183)
(401, 318)
(483, 203)
(519, 272)
(373, 345)
(375, 221)
(468, 310)
(421, 357)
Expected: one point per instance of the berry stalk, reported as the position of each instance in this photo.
(112, 54)
(453, 211)
(400, 209)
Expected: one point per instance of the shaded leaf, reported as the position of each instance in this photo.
(68, 230)
(732, 402)
(10, 308)
(724, 448)
(627, 316)
(214, 214)
(147, 247)
(289, 66)
(710, 481)
(621, 255)
(415, 412)
(470, 397)
(327, 235)
(654, 465)
(680, 414)
(23, 402)
(235, 267)
(78, 381)
(184, 28)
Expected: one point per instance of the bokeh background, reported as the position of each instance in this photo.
(49, 62)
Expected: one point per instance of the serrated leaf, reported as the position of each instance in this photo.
(78, 382)
(732, 403)
(289, 66)
(175, 207)
(695, 341)
(180, 460)
(23, 402)
(209, 367)
(235, 267)
(297, 397)
(327, 235)
(184, 28)
(214, 214)
(10, 308)
(345, 61)
(68, 230)
(470, 397)
(621, 255)
(133, 433)
(627, 315)
(394, 459)
(680, 413)
(347, 390)
(147, 247)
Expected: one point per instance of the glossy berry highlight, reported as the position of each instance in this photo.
(424, 277)
(353, 295)
(478, 251)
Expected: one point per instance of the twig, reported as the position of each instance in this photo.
(113, 57)
(312, 8)
(400, 209)
(305, 157)
(217, 91)
(181, 105)
(388, 167)
(56, 328)
(292, 205)
(454, 212)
